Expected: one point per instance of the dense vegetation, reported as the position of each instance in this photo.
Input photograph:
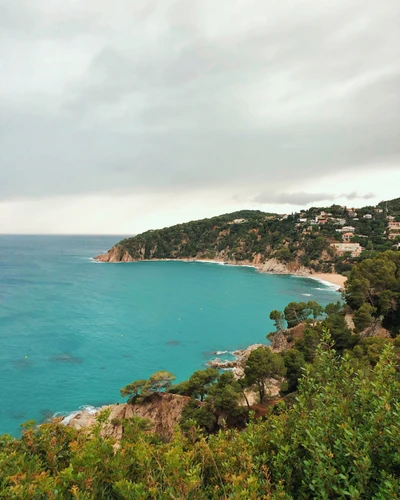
(340, 439)
(373, 292)
(295, 239)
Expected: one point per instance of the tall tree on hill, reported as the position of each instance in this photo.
(261, 365)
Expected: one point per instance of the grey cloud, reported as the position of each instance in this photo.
(354, 195)
(172, 96)
(303, 198)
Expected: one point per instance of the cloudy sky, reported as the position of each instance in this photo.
(117, 116)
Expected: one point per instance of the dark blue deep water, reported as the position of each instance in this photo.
(72, 331)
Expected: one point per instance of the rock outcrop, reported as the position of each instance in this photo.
(116, 254)
(164, 411)
(237, 365)
(273, 266)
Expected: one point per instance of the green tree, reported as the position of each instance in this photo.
(278, 318)
(315, 308)
(225, 393)
(135, 390)
(295, 313)
(363, 317)
(294, 364)
(158, 381)
(200, 381)
(261, 365)
(199, 415)
(376, 281)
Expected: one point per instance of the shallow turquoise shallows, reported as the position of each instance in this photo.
(72, 331)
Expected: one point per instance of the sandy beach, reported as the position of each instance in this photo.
(334, 279)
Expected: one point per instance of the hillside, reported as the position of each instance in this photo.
(322, 239)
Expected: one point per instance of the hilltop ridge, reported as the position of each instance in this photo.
(327, 239)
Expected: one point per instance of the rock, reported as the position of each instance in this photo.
(349, 321)
(221, 365)
(279, 342)
(116, 254)
(163, 410)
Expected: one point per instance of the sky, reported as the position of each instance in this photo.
(117, 117)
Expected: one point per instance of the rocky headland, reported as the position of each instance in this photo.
(268, 242)
(162, 410)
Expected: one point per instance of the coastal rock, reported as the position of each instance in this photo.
(279, 342)
(273, 266)
(221, 364)
(163, 410)
(116, 254)
(236, 365)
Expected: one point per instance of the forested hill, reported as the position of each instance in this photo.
(316, 238)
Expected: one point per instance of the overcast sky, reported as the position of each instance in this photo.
(119, 116)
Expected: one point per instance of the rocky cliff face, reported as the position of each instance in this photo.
(119, 254)
(116, 254)
(164, 411)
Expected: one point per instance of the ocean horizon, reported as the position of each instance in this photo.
(73, 331)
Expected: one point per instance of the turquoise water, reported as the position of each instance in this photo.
(72, 331)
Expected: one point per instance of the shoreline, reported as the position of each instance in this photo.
(333, 280)
(338, 280)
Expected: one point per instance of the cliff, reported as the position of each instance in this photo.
(163, 410)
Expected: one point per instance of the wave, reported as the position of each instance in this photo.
(307, 294)
(209, 262)
(330, 286)
(219, 353)
(92, 410)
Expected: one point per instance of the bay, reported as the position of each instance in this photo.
(73, 331)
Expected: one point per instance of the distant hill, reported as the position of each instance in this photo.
(392, 206)
(323, 239)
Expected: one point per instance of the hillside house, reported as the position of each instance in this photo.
(346, 237)
(355, 249)
(367, 216)
(238, 221)
(393, 230)
(346, 229)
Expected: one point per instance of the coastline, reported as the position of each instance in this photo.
(338, 280)
(271, 266)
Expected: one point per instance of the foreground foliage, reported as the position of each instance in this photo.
(341, 439)
(373, 291)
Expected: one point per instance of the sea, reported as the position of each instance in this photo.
(74, 331)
